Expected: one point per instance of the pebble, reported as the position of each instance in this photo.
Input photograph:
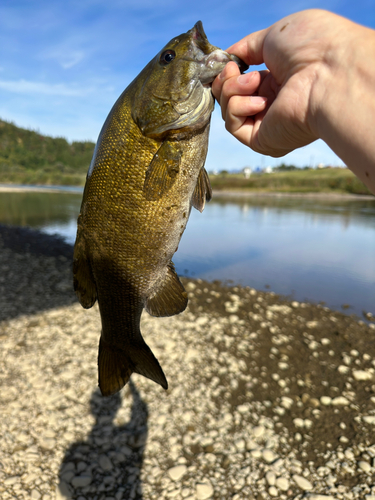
(271, 478)
(302, 482)
(204, 490)
(362, 375)
(365, 466)
(282, 483)
(105, 463)
(340, 401)
(269, 456)
(226, 426)
(273, 491)
(326, 400)
(9, 481)
(317, 496)
(176, 473)
(81, 481)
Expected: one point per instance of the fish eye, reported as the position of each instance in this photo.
(167, 56)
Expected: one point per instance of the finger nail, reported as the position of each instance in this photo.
(246, 77)
(222, 75)
(257, 99)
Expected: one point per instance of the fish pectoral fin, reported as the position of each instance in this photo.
(83, 279)
(202, 191)
(170, 298)
(116, 366)
(162, 171)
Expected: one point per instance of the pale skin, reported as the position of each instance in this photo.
(320, 83)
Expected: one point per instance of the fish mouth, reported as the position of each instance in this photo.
(211, 59)
(200, 38)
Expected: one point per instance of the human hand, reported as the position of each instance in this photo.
(296, 50)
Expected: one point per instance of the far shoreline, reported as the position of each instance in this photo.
(21, 188)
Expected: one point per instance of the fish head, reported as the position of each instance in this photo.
(174, 90)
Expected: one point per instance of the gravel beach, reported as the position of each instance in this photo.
(267, 398)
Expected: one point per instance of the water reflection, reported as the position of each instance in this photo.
(316, 249)
(301, 248)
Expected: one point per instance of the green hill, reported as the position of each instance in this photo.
(28, 157)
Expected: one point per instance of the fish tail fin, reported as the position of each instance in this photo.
(116, 366)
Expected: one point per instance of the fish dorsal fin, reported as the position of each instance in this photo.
(202, 191)
(162, 171)
(170, 298)
(83, 279)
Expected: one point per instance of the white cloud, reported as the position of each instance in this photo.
(68, 59)
(29, 87)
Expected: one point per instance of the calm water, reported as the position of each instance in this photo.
(308, 249)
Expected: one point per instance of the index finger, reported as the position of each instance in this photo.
(250, 48)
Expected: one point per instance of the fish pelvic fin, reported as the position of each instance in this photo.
(202, 191)
(116, 365)
(169, 298)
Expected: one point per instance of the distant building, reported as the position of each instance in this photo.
(246, 172)
(268, 170)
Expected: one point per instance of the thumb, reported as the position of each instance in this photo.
(250, 48)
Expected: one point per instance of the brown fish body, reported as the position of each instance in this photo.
(146, 173)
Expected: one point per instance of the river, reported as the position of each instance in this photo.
(319, 250)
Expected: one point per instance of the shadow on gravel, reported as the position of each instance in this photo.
(109, 462)
(35, 272)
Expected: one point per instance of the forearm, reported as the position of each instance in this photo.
(343, 101)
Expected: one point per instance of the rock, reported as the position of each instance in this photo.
(268, 455)
(369, 419)
(282, 483)
(258, 431)
(271, 478)
(326, 400)
(365, 466)
(176, 473)
(302, 482)
(63, 491)
(362, 375)
(340, 401)
(299, 422)
(105, 463)
(317, 496)
(81, 481)
(47, 443)
(9, 481)
(204, 490)
(273, 491)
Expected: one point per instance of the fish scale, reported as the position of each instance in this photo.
(146, 173)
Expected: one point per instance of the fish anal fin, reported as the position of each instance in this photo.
(169, 298)
(162, 171)
(202, 191)
(116, 365)
(83, 279)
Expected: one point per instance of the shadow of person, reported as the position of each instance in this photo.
(108, 464)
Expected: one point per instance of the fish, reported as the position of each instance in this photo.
(146, 174)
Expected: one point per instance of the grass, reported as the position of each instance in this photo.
(339, 180)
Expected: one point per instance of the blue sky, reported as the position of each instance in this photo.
(64, 63)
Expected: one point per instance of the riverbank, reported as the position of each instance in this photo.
(268, 398)
(299, 182)
(234, 193)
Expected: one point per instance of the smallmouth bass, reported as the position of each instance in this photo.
(146, 173)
